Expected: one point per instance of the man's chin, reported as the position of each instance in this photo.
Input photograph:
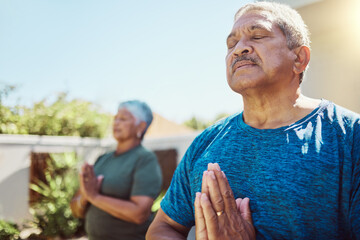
(242, 85)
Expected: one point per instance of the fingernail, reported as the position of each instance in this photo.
(198, 194)
(217, 167)
(212, 175)
(223, 174)
(209, 165)
(203, 196)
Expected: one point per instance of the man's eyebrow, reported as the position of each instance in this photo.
(252, 28)
(260, 26)
(230, 36)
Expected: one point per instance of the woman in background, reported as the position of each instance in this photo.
(117, 193)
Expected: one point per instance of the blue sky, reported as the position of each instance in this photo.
(167, 53)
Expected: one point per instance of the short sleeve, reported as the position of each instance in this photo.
(147, 177)
(177, 201)
(355, 193)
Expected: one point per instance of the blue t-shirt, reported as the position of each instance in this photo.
(303, 180)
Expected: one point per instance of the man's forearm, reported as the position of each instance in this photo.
(164, 228)
(157, 232)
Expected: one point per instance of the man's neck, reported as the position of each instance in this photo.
(274, 111)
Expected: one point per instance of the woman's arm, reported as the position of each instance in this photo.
(78, 205)
(164, 228)
(136, 210)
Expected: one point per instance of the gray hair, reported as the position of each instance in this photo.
(288, 20)
(140, 110)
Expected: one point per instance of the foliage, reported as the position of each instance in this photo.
(7, 118)
(60, 118)
(8, 231)
(156, 204)
(198, 124)
(52, 214)
(5, 90)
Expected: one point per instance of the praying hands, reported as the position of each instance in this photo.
(217, 214)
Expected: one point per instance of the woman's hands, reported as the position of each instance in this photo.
(136, 210)
(89, 183)
(217, 214)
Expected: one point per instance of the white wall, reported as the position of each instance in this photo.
(15, 152)
(334, 66)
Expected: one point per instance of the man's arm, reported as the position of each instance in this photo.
(163, 228)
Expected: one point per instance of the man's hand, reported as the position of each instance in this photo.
(217, 214)
(89, 183)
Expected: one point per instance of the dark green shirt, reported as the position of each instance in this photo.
(133, 173)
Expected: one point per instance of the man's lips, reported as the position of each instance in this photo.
(239, 64)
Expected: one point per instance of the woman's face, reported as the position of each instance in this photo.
(124, 126)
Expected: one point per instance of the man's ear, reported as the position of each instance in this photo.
(302, 59)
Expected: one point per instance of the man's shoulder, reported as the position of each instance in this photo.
(345, 122)
(341, 116)
(222, 123)
(213, 130)
(207, 136)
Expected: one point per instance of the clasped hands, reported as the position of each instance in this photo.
(89, 183)
(217, 214)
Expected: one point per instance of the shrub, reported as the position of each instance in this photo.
(8, 230)
(52, 213)
(58, 118)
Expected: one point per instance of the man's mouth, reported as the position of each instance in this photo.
(238, 64)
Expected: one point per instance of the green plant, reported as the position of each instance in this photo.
(52, 214)
(199, 124)
(156, 205)
(8, 230)
(60, 117)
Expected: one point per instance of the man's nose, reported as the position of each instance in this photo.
(242, 47)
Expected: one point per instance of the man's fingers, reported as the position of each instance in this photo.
(214, 192)
(210, 216)
(204, 185)
(213, 167)
(245, 210)
(238, 203)
(200, 226)
(227, 193)
(226, 202)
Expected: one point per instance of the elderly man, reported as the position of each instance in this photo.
(287, 167)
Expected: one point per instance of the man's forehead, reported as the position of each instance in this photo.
(254, 20)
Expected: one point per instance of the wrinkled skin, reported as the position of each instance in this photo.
(217, 214)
